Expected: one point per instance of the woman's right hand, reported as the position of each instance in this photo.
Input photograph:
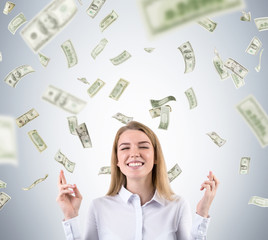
(69, 204)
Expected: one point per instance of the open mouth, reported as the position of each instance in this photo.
(135, 164)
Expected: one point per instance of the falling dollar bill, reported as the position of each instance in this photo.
(158, 103)
(219, 65)
(122, 57)
(37, 140)
(149, 50)
(255, 117)
(258, 68)
(161, 15)
(83, 134)
(95, 87)
(2, 184)
(164, 118)
(174, 172)
(254, 46)
(8, 148)
(246, 16)
(238, 81)
(207, 24)
(35, 183)
(261, 23)
(216, 138)
(258, 201)
(48, 23)
(191, 98)
(95, 7)
(119, 89)
(4, 198)
(17, 74)
(122, 118)
(8, 7)
(108, 20)
(64, 100)
(188, 56)
(156, 112)
(70, 53)
(27, 117)
(43, 59)
(83, 80)
(99, 48)
(72, 122)
(105, 170)
(62, 159)
(244, 165)
(236, 68)
(16, 22)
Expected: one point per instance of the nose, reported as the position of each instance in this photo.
(134, 152)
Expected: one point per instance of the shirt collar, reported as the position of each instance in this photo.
(126, 196)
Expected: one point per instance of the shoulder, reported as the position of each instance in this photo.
(104, 200)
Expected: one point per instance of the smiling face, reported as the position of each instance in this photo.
(135, 155)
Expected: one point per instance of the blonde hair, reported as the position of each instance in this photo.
(159, 171)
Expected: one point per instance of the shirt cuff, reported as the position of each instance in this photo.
(201, 225)
(71, 228)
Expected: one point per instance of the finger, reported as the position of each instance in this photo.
(76, 192)
(67, 191)
(217, 182)
(210, 176)
(206, 186)
(59, 179)
(63, 179)
(66, 186)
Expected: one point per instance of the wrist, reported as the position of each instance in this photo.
(203, 214)
(70, 216)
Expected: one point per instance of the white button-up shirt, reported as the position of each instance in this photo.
(122, 217)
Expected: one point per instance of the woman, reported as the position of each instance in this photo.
(140, 203)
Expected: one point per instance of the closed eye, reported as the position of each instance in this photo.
(124, 148)
(145, 147)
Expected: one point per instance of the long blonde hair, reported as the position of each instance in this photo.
(159, 171)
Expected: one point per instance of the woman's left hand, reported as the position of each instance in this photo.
(211, 186)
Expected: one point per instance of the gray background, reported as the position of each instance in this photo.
(35, 214)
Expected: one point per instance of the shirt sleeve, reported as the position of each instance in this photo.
(71, 229)
(188, 229)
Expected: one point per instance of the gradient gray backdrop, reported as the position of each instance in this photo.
(34, 214)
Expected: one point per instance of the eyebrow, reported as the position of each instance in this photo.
(138, 143)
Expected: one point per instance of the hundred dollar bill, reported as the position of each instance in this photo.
(8, 148)
(27, 117)
(48, 23)
(43, 59)
(122, 57)
(219, 65)
(255, 117)
(2, 184)
(17, 74)
(119, 89)
(72, 122)
(164, 118)
(95, 87)
(246, 16)
(99, 48)
(16, 22)
(1, 57)
(258, 201)
(105, 170)
(207, 24)
(108, 20)
(83, 80)
(37, 140)
(8, 7)
(174, 172)
(254, 46)
(216, 138)
(156, 112)
(64, 100)
(244, 165)
(261, 23)
(158, 103)
(149, 50)
(258, 68)
(122, 118)
(188, 56)
(161, 15)
(95, 7)
(62, 159)
(70, 53)
(238, 81)
(35, 183)
(236, 68)
(82, 132)
(4, 198)
(191, 98)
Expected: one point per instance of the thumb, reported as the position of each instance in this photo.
(76, 192)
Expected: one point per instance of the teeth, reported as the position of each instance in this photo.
(134, 164)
